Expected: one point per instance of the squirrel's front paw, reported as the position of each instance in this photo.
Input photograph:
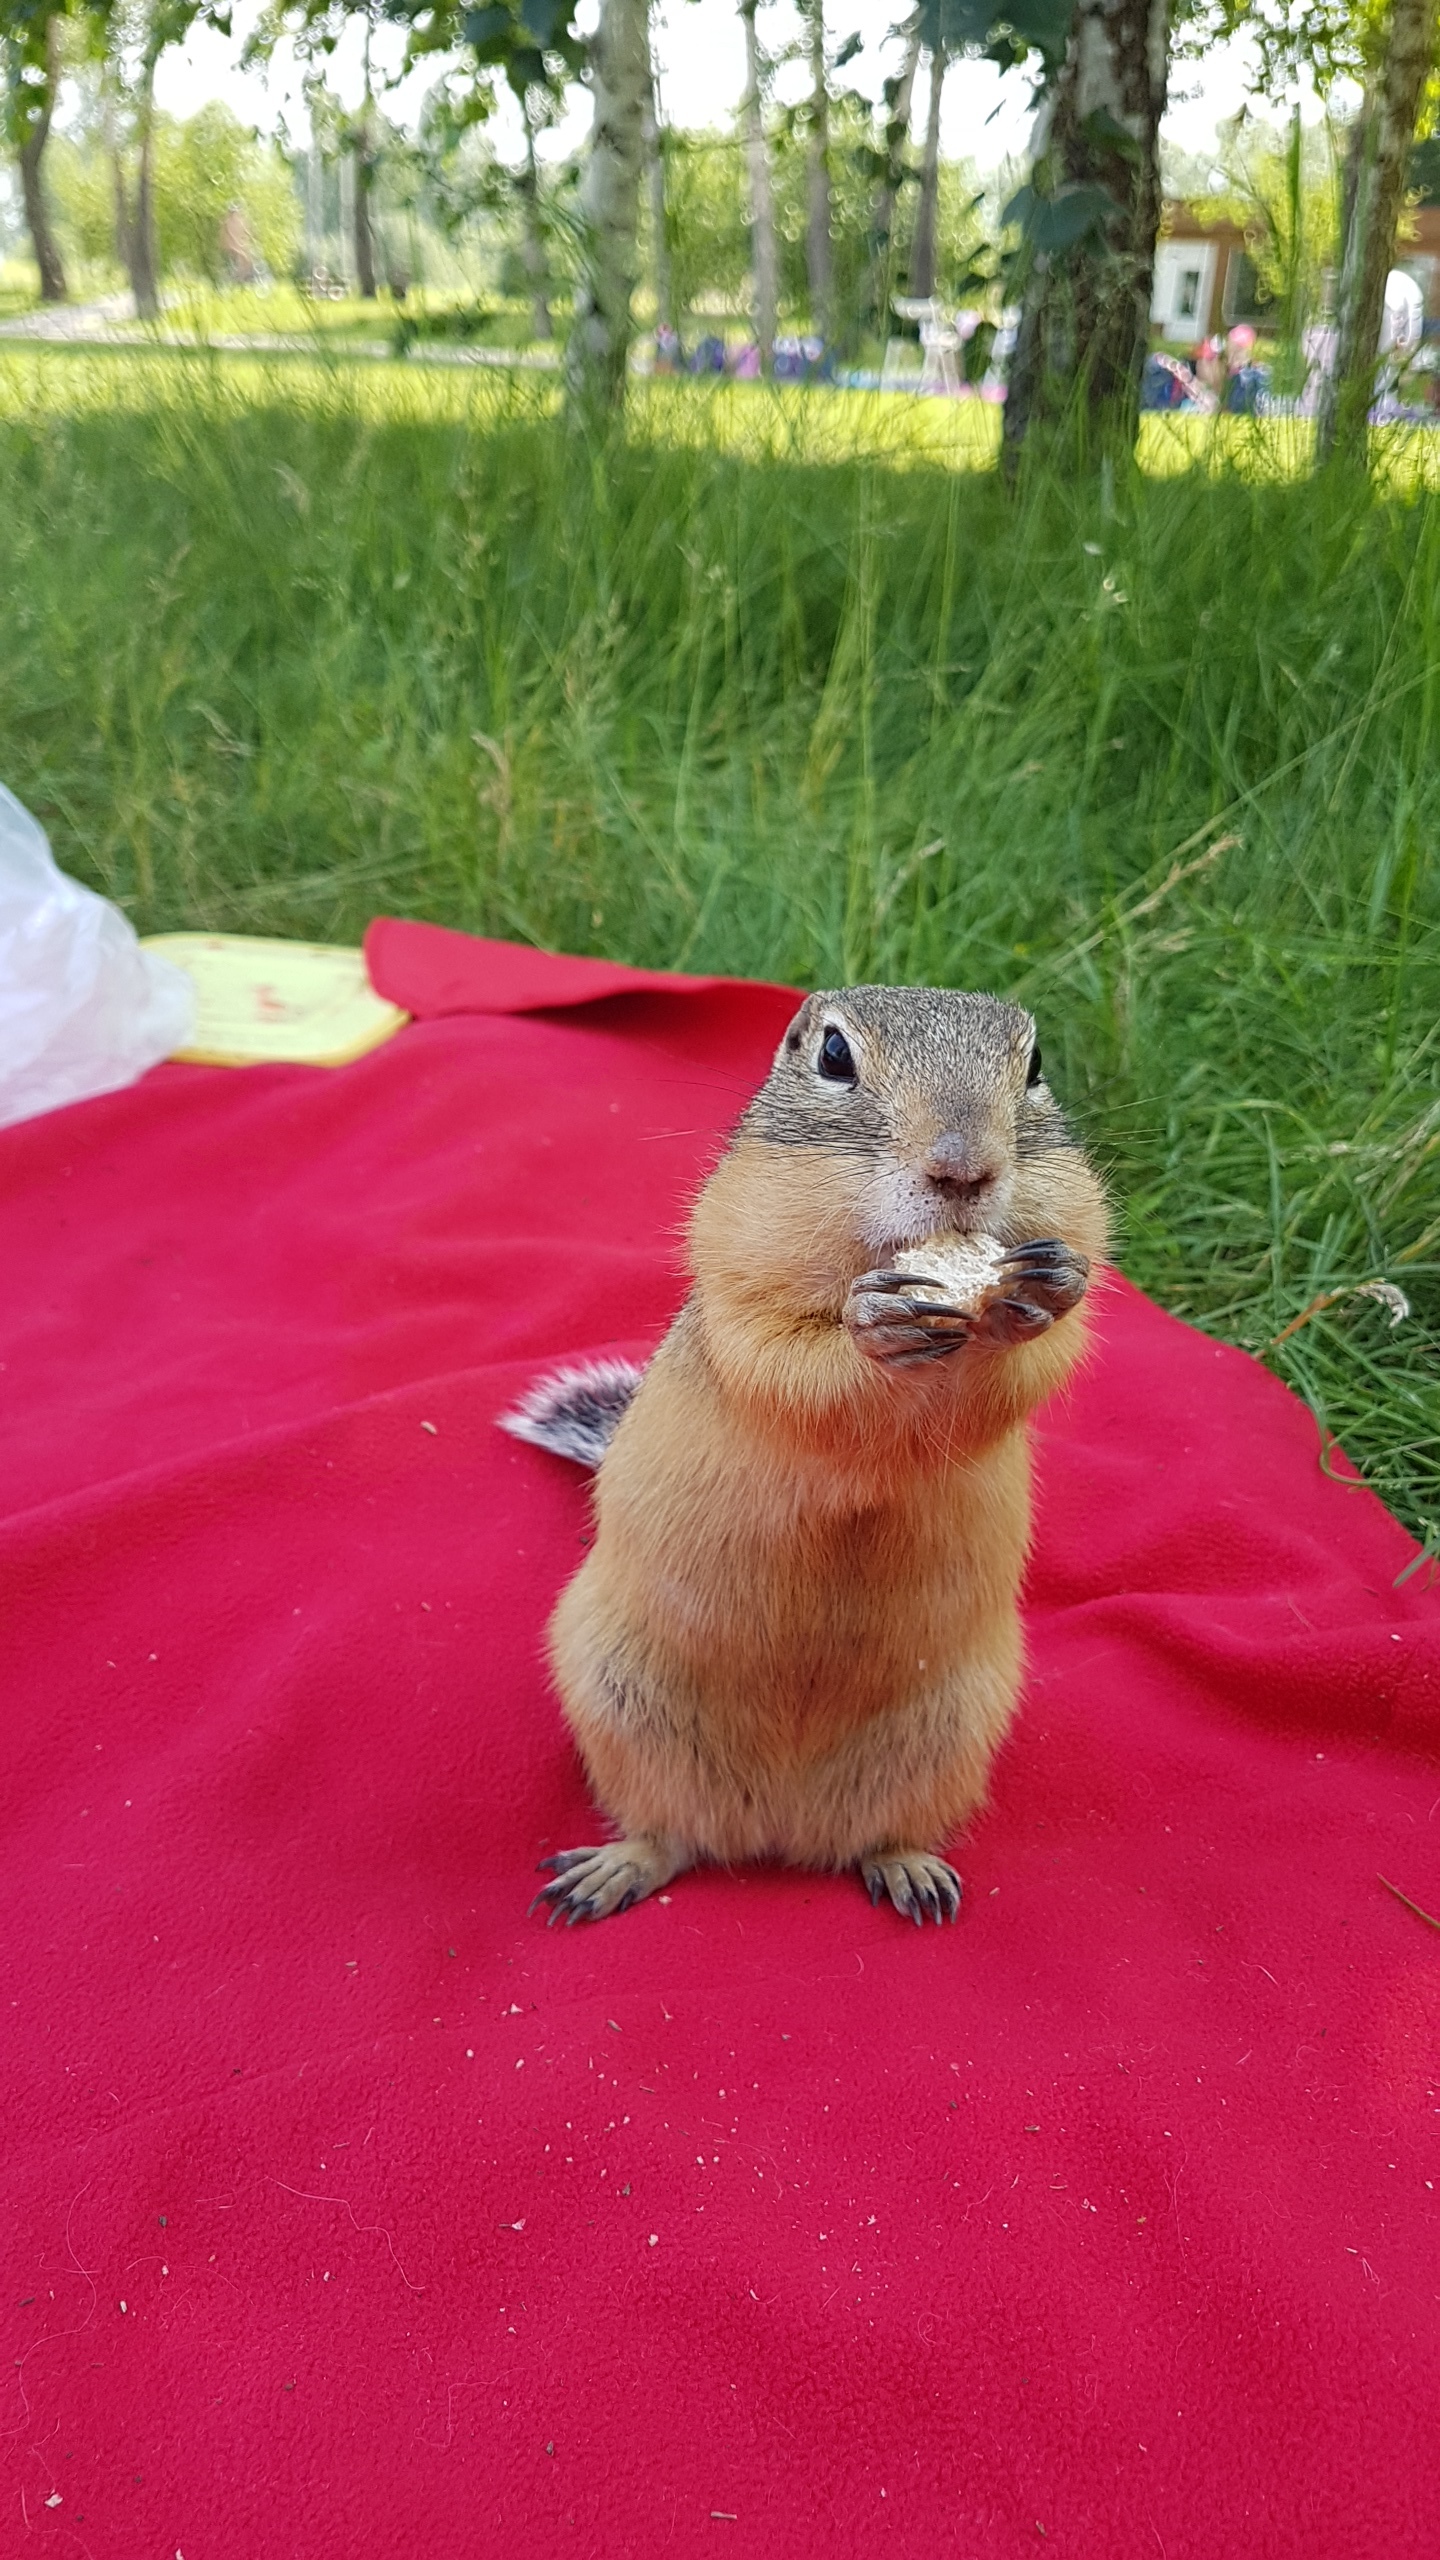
(1036, 1283)
(895, 1317)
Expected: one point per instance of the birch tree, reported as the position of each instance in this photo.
(363, 137)
(764, 255)
(535, 44)
(358, 141)
(921, 278)
(1388, 48)
(129, 93)
(610, 204)
(136, 37)
(899, 96)
(1374, 195)
(1088, 221)
(819, 256)
(532, 228)
(663, 272)
(532, 42)
(364, 153)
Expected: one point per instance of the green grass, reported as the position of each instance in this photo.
(774, 688)
(244, 310)
(280, 309)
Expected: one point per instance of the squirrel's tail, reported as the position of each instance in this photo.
(575, 1412)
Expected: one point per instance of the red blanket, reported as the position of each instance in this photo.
(346, 2212)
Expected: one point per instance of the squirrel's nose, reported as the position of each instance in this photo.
(963, 1167)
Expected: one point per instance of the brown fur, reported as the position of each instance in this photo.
(797, 1634)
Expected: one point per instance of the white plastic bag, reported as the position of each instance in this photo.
(82, 1008)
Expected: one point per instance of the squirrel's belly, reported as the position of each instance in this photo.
(758, 1673)
(826, 1612)
(804, 1752)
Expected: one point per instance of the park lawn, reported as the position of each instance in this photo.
(769, 685)
(220, 315)
(245, 311)
(321, 343)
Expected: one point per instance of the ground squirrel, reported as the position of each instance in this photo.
(797, 1633)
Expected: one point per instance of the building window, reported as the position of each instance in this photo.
(1241, 299)
(1188, 298)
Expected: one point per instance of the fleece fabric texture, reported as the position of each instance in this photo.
(346, 2213)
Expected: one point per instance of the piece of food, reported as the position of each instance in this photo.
(965, 1267)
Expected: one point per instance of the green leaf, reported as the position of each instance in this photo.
(1009, 28)
(1106, 134)
(546, 20)
(1074, 214)
(1039, 26)
(524, 68)
(488, 32)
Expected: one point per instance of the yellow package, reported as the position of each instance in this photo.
(267, 1002)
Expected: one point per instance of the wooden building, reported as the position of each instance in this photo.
(1204, 278)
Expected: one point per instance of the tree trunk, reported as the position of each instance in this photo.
(764, 256)
(1294, 291)
(364, 153)
(532, 246)
(1374, 191)
(364, 230)
(599, 345)
(819, 261)
(922, 247)
(1085, 313)
(142, 261)
(345, 215)
(364, 158)
(659, 229)
(314, 209)
(32, 153)
(119, 196)
(898, 96)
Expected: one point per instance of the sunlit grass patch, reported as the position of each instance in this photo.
(786, 422)
(184, 388)
(279, 310)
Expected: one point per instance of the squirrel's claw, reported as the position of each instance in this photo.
(1045, 1273)
(1013, 1320)
(902, 1317)
(919, 1884)
(1037, 1282)
(591, 1884)
(877, 1282)
(888, 1322)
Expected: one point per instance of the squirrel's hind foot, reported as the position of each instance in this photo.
(590, 1884)
(917, 1882)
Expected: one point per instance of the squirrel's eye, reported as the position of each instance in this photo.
(835, 1060)
(1033, 1076)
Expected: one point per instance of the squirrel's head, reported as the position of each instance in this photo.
(935, 1103)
